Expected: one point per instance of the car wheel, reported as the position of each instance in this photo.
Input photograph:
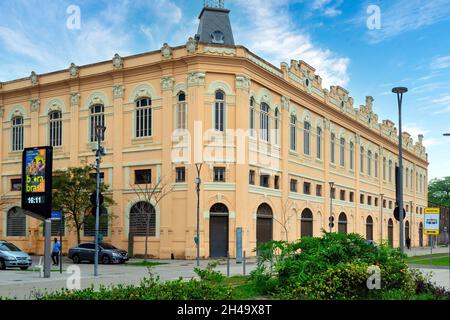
(23, 268)
(106, 259)
(76, 259)
(2, 264)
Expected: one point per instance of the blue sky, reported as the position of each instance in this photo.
(412, 47)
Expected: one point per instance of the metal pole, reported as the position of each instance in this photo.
(244, 262)
(331, 206)
(411, 224)
(381, 218)
(198, 182)
(228, 264)
(61, 223)
(47, 248)
(97, 209)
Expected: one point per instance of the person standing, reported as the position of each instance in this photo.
(56, 252)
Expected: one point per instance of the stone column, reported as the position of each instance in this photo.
(74, 126)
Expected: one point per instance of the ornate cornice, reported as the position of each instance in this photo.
(220, 51)
(74, 70)
(117, 62)
(166, 51)
(243, 82)
(167, 83)
(34, 78)
(196, 79)
(118, 91)
(191, 46)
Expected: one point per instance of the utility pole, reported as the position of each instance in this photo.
(100, 133)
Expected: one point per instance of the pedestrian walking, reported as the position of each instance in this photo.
(56, 252)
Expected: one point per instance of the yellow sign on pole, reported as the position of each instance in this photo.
(432, 219)
(433, 210)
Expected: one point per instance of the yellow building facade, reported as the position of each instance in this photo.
(271, 139)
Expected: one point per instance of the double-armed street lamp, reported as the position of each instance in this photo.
(198, 182)
(331, 206)
(399, 91)
(99, 152)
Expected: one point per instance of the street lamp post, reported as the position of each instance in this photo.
(411, 224)
(100, 134)
(381, 217)
(331, 206)
(198, 182)
(448, 220)
(400, 91)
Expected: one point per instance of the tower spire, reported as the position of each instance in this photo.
(214, 4)
(215, 26)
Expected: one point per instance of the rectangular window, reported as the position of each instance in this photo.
(102, 177)
(332, 148)
(333, 193)
(342, 195)
(319, 143)
(251, 177)
(293, 185)
(352, 197)
(276, 182)
(306, 138)
(143, 176)
(361, 199)
(376, 202)
(16, 184)
(307, 188)
(264, 180)
(219, 174)
(369, 200)
(384, 204)
(181, 174)
(318, 190)
(390, 204)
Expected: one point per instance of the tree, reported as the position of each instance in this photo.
(72, 189)
(150, 193)
(285, 216)
(439, 191)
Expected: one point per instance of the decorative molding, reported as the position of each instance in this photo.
(117, 62)
(191, 46)
(166, 51)
(118, 91)
(243, 82)
(167, 83)
(75, 99)
(264, 65)
(2, 111)
(54, 105)
(35, 104)
(196, 79)
(74, 70)
(285, 102)
(96, 98)
(34, 78)
(142, 91)
(220, 51)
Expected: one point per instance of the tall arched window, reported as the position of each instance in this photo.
(369, 228)
(252, 117)
(306, 138)
(141, 215)
(369, 163)
(219, 111)
(384, 169)
(319, 143)
(391, 233)
(352, 155)
(390, 170)
(17, 134)
(277, 126)
(55, 132)
(15, 224)
(407, 179)
(264, 121)
(342, 223)
(181, 112)
(293, 133)
(376, 165)
(411, 186)
(306, 228)
(333, 148)
(144, 118)
(97, 117)
(417, 182)
(420, 183)
(342, 152)
(361, 160)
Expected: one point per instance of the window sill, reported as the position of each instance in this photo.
(136, 141)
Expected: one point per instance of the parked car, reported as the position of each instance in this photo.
(107, 253)
(12, 257)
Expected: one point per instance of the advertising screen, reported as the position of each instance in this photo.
(35, 171)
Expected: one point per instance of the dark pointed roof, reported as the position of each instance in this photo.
(215, 26)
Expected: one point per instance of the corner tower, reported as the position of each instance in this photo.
(215, 26)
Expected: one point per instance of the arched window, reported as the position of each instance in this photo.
(332, 148)
(384, 168)
(15, 224)
(407, 233)
(407, 179)
(369, 163)
(277, 126)
(55, 132)
(293, 133)
(181, 112)
(306, 138)
(319, 143)
(342, 152)
(97, 118)
(219, 111)
(252, 117)
(17, 134)
(352, 155)
(306, 223)
(342, 223)
(417, 182)
(420, 183)
(361, 160)
(376, 165)
(141, 215)
(411, 186)
(390, 170)
(144, 118)
(391, 233)
(369, 228)
(264, 121)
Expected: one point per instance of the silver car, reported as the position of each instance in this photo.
(13, 257)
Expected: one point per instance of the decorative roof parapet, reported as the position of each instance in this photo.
(74, 70)
(191, 46)
(117, 62)
(34, 78)
(166, 51)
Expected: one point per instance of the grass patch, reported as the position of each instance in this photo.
(439, 259)
(144, 264)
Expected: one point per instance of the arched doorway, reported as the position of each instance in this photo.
(391, 233)
(421, 234)
(407, 235)
(142, 214)
(264, 224)
(342, 223)
(369, 228)
(306, 225)
(218, 231)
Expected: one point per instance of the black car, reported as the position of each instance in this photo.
(107, 253)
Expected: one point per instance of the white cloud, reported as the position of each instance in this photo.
(415, 130)
(272, 34)
(441, 63)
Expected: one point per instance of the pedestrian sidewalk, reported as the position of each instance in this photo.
(425, 251)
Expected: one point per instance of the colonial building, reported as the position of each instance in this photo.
(271, 139)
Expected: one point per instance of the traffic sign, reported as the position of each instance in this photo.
(56, 215)
(397, 214)
(93, 198)
(432, 219)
